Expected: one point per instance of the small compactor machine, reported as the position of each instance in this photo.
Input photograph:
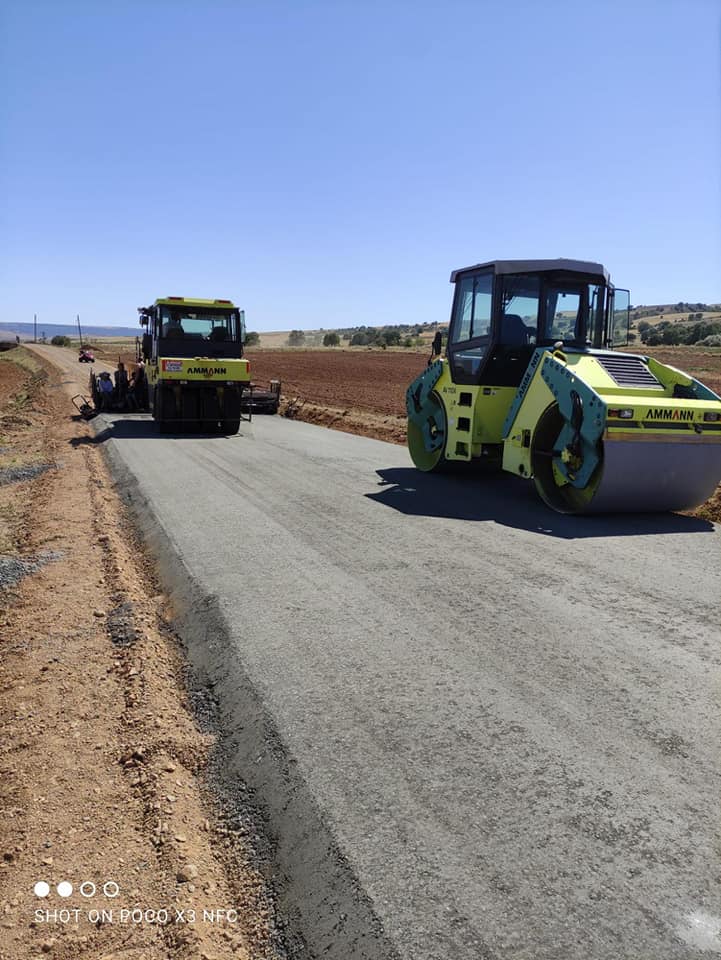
(533, 382)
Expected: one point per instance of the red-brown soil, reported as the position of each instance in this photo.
(370, 380)
(12, 379)
(376, 381)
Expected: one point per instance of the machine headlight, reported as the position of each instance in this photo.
(625, 413)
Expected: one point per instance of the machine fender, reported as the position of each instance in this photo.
(420, 404)
(584, 415)
(684, 386)
(522, 390)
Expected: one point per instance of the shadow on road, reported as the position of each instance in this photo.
(513, 502)
(136, 427)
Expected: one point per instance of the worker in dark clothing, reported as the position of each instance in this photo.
(138, 388)
(141, 386)
(121, 385)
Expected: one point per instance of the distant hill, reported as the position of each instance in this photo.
(681, 307)
(25, 330)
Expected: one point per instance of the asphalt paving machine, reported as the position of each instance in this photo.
(533, 383)
(197, 375)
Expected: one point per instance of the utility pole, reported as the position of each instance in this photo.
(35, 328)
(80, 333)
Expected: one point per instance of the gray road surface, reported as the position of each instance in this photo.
(503, 722)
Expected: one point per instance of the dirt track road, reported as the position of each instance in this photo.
(501, 722)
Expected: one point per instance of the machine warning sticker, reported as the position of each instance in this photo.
(173, 366)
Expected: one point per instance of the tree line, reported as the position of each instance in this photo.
(705, 333)
(402, 335)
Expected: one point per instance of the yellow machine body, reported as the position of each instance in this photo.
(197, 374)
(596, 429)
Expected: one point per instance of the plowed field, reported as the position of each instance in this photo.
(371, 380)
(376, 381)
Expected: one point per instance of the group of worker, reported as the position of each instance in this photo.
(125, 393)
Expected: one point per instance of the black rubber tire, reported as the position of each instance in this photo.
(164, 410)
(210, 411)
(190, 410)
(232, 410)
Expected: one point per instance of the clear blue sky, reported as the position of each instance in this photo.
(328, 163)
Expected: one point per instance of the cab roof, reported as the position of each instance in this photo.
(586, 267)
(192, 302)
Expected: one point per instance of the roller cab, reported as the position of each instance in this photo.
(531, 383)
(197, 374)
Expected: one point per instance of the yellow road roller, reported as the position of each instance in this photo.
(532, 381)
(197, 375)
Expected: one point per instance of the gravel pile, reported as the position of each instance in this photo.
(121, 625)
(13, 569)
(18, 474)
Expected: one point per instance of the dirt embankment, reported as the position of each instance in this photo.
(103, 781)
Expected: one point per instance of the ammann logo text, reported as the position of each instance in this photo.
(209, 371)
(661, 414)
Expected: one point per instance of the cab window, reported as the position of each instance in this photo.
(519, 310)
(563, 314)
(470, 334)
(473, 308)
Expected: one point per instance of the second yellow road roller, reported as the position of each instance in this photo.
(533, 380)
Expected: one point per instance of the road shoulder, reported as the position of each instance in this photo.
(103, 765)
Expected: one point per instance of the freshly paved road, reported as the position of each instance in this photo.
(508, 719)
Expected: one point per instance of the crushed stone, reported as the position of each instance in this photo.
(19, 474)
(121, 625)
(13, 569)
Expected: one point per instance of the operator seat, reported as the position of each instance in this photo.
(514, 332)
(173, 331)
